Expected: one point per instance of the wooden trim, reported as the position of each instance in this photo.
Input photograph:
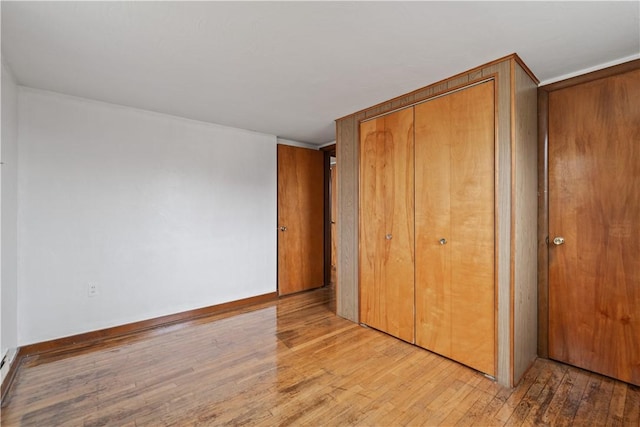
(496, 219)
(503, 214)
(512, 243)
(11, 374)
(439, 87)
(358, 124)
(330, 148)
(525, 68)
(525, 268)
(543, 189)
(440, 93)
(594, 75)
(89, 338)
(277, 220)
(543, 223)
(347, 228)
(328, 153)
(326, 243)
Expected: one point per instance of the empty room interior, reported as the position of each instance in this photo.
(320, 213)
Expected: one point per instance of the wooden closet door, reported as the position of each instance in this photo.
(454, 226)
(386, 224)
(594, 206)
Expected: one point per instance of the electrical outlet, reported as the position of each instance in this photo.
(93, 289)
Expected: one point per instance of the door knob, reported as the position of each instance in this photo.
(283, 228)
(388, 237)
(443, 241)
(558, 240)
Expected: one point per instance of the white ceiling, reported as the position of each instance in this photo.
(291, 68)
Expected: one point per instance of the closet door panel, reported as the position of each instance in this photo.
(473, 231)
(387, 224)
(455, 202)
(432, 216)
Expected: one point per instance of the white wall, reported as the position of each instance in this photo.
(163, 214)
(8, 212)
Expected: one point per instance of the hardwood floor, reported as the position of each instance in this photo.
(293, 362)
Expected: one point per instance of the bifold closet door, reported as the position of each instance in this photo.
(386, 224)
(454, 226)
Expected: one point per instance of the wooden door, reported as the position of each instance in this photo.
(300, 219)
(455, 232)
(594, 205)
(386, 224)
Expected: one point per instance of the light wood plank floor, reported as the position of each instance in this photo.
(293, 362)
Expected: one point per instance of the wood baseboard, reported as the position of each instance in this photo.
(14, 364)
(90, 338)
(87, 339)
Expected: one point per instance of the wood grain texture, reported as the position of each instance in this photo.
(502, 73)
(594, 182)
(458, 81)
(543, 210)
(525, 68)
(347, 135)
(294, 362)
(333, 224)
(525, 223)
(594, 75)
(434, 89)
(328, 152)
(387, 224)
(543, 224)
(301, 213)
(433, 167)
(455, 298)
(347, 143)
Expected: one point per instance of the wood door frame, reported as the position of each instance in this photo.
(328, 151)
(543, 189)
